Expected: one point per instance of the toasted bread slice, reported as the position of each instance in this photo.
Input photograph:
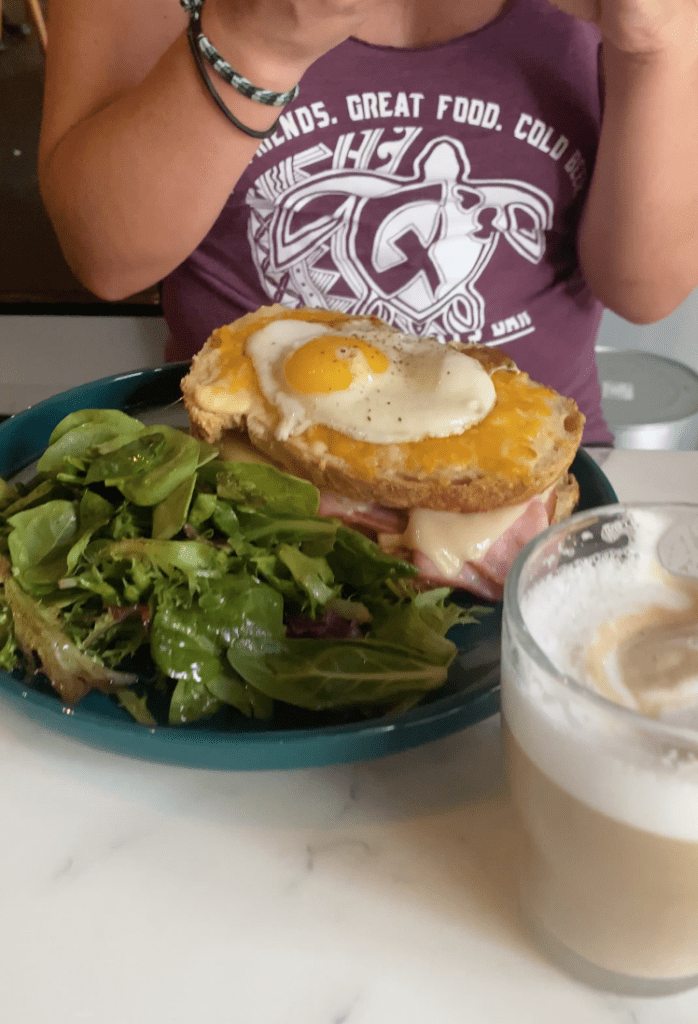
(522, 447)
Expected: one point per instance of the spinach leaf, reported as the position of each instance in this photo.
(357, 560)
(94, 513)
(255, 485)
(188, 642)
(191, 701)
(39, 542)
(148, 468)
(78, 435)
(78, 423)
(170, 515)
(323, 674)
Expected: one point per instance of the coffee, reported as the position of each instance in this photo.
(624, 898)
(606, 797)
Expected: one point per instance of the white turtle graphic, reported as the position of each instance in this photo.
(409, 248)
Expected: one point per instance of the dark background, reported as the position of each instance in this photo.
(32, 268)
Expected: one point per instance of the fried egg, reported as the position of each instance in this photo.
(369, 384)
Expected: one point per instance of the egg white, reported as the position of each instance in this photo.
(430, 389)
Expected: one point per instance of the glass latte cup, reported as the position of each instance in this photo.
(600, 721)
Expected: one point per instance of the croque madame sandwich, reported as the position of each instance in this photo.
(445, 454)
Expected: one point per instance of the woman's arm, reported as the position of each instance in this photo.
(135, 160)
(639, 237)
(638, 242)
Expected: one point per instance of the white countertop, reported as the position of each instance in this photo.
(370, 893)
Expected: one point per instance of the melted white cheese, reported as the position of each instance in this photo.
(450, 539)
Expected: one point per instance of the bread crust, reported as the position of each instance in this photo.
(566, 498)
(394, 481)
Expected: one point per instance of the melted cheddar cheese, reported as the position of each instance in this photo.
(500, 443)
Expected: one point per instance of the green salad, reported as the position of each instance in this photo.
(138, 546)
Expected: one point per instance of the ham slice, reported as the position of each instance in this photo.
(371, 519)
(484, 578)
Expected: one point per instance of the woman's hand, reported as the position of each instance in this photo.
(641, 27)
(283, 37)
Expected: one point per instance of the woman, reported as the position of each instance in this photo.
(495, 170)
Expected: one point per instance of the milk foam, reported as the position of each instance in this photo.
(610, 772)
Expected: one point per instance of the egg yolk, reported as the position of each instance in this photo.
(325, 364)
(237, 372)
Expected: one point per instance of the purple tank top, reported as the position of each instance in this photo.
(439, 188)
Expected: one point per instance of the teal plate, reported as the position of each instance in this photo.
(292, 738)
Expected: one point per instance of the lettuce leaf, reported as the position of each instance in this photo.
(38, 633)
(8, 646)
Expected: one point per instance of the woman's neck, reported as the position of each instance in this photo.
(412, 23)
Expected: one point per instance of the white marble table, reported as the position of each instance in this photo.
(369, 893)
